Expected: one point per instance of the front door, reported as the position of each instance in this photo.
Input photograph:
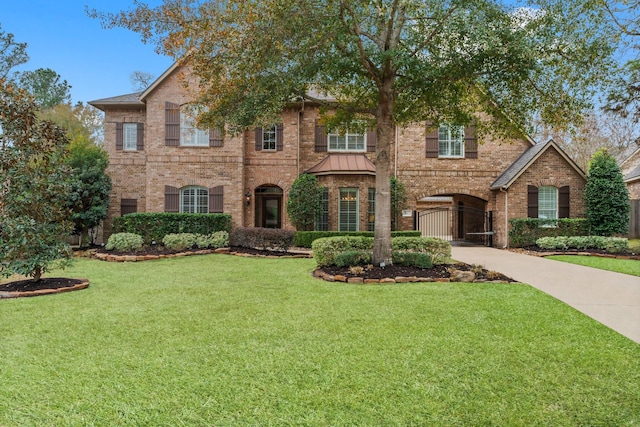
(271, 215)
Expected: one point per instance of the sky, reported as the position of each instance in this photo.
(96, 62)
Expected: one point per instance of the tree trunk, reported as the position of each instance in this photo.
(384, 133)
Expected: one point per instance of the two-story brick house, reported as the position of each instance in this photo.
(160, 162)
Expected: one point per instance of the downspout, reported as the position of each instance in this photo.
(506, 216)
(395, 159)
(300, 113)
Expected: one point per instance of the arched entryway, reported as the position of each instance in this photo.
(268, 206)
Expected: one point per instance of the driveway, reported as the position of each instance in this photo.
(611, 298)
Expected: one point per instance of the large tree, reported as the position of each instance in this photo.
(34, 219)
(45, 86)
(12, 53)
(386, 62)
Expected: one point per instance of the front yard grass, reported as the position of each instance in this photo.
(221, 340)
(625, 266)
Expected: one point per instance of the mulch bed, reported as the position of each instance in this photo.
(30, 287)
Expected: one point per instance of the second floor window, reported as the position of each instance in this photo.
(269, 136)
(451, 141)
(190, 135)
(130, 136)
(347, 142)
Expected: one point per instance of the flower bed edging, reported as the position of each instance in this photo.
(83, 285)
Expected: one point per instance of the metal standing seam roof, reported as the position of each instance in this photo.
(344, 164)
(525, 160)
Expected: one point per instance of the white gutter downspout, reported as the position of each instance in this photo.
(506, 216)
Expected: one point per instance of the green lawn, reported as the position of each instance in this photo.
(221, 340)
(625, 266)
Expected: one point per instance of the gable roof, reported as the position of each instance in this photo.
(526, 159)
(344, 164)
(634, 175)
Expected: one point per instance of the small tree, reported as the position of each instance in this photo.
(305, 202)
(90, 186)
(398, 202)
(34, 217)
(606, 196)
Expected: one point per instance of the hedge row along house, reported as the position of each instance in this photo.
(458, 187)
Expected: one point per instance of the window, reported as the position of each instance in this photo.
(128, 206)
(451, 141)
(194, 200)
(547, 202)
(190, 135)
(322, 220)
(347, 142)
(130, 136)
(269, 138)
(371, 219)
(348, 209)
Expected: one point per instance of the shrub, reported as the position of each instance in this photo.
(326, 251)
(610, 244)
(179, 241)
(154, 226)
(412, 259)
(262, 238)
(219, 239)
(438, 249)
(525, 231)
(305, 201)
(353, 258)
(304, 239)
(124, 242)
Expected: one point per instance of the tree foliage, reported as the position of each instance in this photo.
(90, 186)
(606, 196)
(398, 202)
(34, 217)
(305, 202)
(140, 80)
(45, 86)
(384, 63)
(12, 53)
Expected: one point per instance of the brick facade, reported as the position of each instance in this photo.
(267, 175)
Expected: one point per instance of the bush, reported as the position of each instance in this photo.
(219, 239)
(412, 259)
(179, 241)
(262, 238)
(154, 226)
(326, 251)
(124, 242)
(351, 258)
(304, 239)
(609, 244)
(438, 249)
(525, 231)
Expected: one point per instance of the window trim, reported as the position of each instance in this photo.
(129, 129)
(188, 129)
(545, 195)
(198, 193)
(272, 134)
(349, 212)
(450, 141)
(333, 137)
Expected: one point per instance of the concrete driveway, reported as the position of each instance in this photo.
(611, 298)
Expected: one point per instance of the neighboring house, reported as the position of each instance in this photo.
(630, 168)
(457, 187)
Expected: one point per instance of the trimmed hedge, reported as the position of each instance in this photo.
(154, 226)
(304, 239)
(525, 231)
(182, 241)
(262, 238)
(609, 244)
(359, 249)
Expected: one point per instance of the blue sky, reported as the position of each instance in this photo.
(96, 62)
